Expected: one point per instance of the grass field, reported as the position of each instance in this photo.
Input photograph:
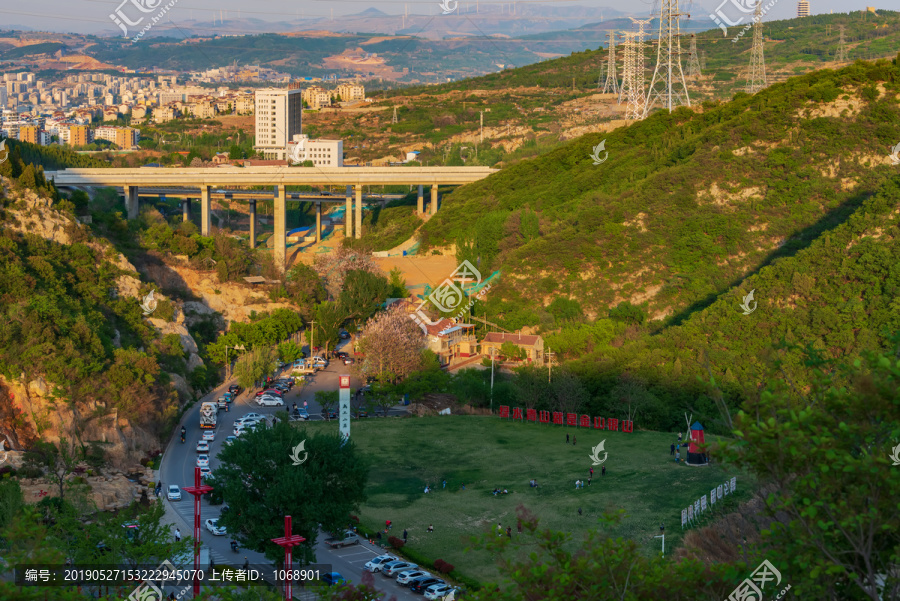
(486, 452)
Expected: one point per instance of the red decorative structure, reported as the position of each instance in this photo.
(544, 417)
(531, 415)
(517, 413)
(695, 457)
(198, 490)
(585, 421)
(599, 423)
(628, 426)
(504, 411)
(288, 541)
(558, 418)
(612, 423)
(571, 419)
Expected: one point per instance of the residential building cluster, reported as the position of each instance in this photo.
(316, 97)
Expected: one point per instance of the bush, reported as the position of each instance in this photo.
(395, 542)
(442, 566)
(29, 471)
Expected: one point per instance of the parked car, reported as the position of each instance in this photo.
(202, 460)
(330, 578)
(362, 413)
(392, 568)
(438, 591)
(405, 577)
(375, 564)
(269, 390)
(300, 415)
(420, 584)
(347, 538)
(251, 416)
(203, 446)
(320, 361)
(230, 439)
(349, 360)
(213, 526)
(270, 401)
(174, 493)
(331, 415)
(208, 435)
(341, 354)
(344, 335)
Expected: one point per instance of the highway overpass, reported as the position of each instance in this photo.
(207, 181)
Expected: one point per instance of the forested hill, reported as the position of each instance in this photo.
(685, 208)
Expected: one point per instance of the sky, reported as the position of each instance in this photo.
(93, 16)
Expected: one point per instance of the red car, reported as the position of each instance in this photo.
(274, 391)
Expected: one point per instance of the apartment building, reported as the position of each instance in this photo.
(244, 105)
(279, 115)
(76, 135)
(323, 152)
(316, 97)
(162, 114)
(350, 92)
(123, 137)
(202, 110)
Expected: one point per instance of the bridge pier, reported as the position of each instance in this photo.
(348, 213)
(132, 208)
(421, 204)
(185, 209)
(205, 208)
(318, 221)
(280, 236)
(358, 211)
(252, 224)
(434, 198)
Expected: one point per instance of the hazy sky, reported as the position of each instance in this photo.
(92, 16)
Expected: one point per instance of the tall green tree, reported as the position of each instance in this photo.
(261, 485)
(362, 293)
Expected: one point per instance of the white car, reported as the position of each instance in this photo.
(213, 526)
(205, 472)
(202, 460)
(230, 439)
(249, 417)
(375, 564)
(174, 493)
(405, 577)
(269, 401)
(209, 435)
(203, 447)
(438, 591)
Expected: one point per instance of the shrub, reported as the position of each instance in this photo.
(395, 542)
(442, 566)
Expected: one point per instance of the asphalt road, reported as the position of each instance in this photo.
(179, 461)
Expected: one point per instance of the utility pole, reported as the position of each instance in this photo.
(481, 117)
(549, 364)
(757, 79)
(668, 73)
(611, 86)
(312, 336)
(842, 48)
(694, 60)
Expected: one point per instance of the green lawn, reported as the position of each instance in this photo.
(487, 452)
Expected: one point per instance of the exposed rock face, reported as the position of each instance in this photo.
(167, 327)
(108, 492)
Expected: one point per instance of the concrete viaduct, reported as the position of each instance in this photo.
(207, 181)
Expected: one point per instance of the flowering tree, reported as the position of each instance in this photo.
(333, 268)
(392, 344)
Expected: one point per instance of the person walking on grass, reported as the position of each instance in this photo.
(574, 440)
(672, 450)
(404, 535)
(592, 472)
(567, 439)
(509, 531)
(603, 471)
(499, 529)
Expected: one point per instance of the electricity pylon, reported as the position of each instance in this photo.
(628, 45)
(637, 100)
(694, 61)
(612, 77)
(668, 76)
(757, 79)
(842, 48)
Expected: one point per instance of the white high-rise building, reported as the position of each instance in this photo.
(322, 152)
(279, 114)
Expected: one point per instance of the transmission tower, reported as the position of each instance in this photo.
(394, 120)
(612, 77)
(842, 48)
(668, 76)
(626, 65)
(637, 100)
(694, 61)
(757, 79)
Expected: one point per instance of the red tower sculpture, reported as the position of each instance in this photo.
(198, 490)
(288, 542)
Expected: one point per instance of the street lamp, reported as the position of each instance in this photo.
(662, 535)
(239, 347)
